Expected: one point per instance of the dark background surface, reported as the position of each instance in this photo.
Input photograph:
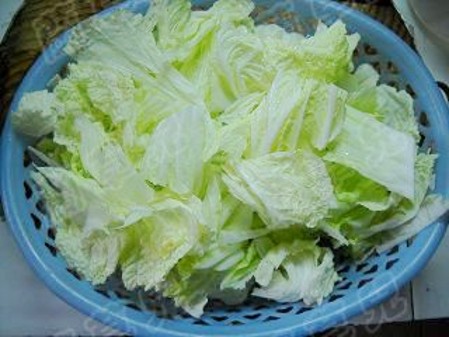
(427, 328)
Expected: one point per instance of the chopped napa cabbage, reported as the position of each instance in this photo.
(206, 157)
(376, 151)
(283, 188)
(36, 115)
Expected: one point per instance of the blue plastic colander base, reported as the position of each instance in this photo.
(362, 286)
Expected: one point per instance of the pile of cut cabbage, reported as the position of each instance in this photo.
(203, 156)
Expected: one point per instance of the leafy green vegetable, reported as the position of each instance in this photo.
(376, 151)
(283, 188)
(157, 242)
(308, 276)
(277, 121)
(36, 116)
(176, 155)
(206, 157)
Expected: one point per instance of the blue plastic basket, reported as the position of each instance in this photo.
(363, 285)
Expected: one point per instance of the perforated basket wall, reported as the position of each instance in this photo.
(362, 285)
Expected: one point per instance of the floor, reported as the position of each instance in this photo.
(426, 328)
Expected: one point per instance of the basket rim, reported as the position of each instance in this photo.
(130, 321)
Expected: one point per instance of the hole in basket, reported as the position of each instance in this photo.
(233, 309)
(363, 282)
(335, 297)
(302, 310)
(376, 65)
(286, 19)
(361, 266)
(199, 8)
(103, 292)
(219, 318)
(37, 222)
(51, 233)
(51, 248)
(258, 10)
(284, 310)
(152, 296)
(345, 286)
(261, 307)
(74, 273)
(200, 322)
(184, 315)
(271, 318)
(373, 254)
(133, 306)
(271, 20)
(393, 250)
(373, 269)
(392, 68)
(122, 293)
(215, 303)
(345, 269)
(410, 90)
(28, 190)
(391, 263)
(370, 50)
(432, 147)
(40, 206)
(236, 322)
(168, 311)
(253, 316)
(26, 159)
(164, 314)
(393, 84)
(423, 120)
(422, 139)
(155, 307)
